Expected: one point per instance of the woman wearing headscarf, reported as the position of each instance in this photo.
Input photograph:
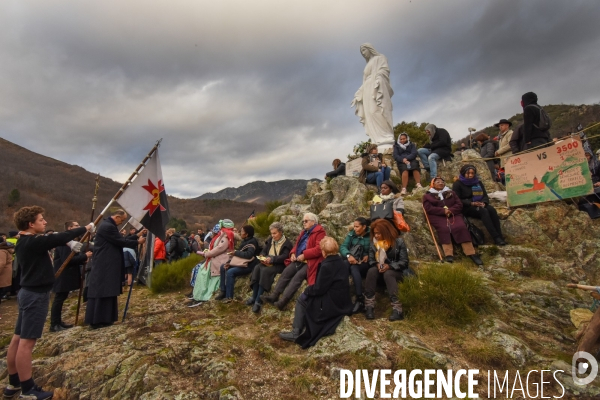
(476, 203)
(444, 210)
(209, 274)
(405, 154)
(211, 234)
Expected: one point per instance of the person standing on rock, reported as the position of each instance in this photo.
(303, 262)
(439, 148)
(37, 279)
(444, 212)
(107, 272)
(504, 138)
(69, 279)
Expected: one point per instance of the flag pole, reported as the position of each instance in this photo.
(94, 200)
(115, 198)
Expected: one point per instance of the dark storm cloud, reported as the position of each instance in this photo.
(261, 90)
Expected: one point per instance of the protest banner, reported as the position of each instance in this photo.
(557, 172)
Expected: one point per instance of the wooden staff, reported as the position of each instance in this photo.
(432, 235)
(593, 289)
(94, 200)
(115, 198)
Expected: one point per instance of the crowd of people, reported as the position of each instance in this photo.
(373, 252)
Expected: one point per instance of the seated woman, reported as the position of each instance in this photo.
(374, 170)
(444, 210)
(322, 306)
(355, 250)
(405, 154)
(476, 203)
(339, 169)
(271, 262)
(388, 261)
(391, 194)
(209, 276)
(247, 250)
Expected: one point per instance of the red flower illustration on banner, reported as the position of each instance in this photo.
(155, 192)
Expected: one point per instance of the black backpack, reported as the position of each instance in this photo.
(545, 122)
(181, 245)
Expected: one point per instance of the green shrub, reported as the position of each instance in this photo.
(261, 223)
(173, 276)
(450, 295)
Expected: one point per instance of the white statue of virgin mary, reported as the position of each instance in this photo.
(373, 100)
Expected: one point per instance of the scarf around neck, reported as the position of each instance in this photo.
(475, 185)
(440, 193)
(405, 145)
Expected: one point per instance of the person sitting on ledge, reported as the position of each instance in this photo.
(322, 305)
(444, 210)
(488, 150)
(272, 262)
(247, 250)
(388, 261)
(439, 148)
(208, 277)
(391, 194)
(374, 170)
(302, 264)
(405, 154)
(476, 203)
(339, 169)
(355, 250)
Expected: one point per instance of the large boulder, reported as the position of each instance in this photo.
(451, 170)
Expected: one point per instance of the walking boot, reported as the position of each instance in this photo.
(476, 259)
(220, 296)
(359, 305)
(370, 307)
(290, 336)
(271, 298)
(499, 241)
(281, 303)
(397, 314)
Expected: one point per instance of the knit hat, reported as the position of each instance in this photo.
(466, 168)
(226, 223)
(216, 228)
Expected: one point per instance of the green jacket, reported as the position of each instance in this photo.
(352, 239)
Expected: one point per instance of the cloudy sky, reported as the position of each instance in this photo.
(260, 90)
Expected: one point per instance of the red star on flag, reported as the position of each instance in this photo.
(155, 192)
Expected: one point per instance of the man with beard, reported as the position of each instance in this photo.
(68, 280)
(107, 272)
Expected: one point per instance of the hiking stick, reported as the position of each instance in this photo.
(128, 298)
(582, 287)
(432, 235)
(115, 198)
(94, 200)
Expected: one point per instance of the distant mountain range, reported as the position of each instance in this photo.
(65, 191)
(261, 191)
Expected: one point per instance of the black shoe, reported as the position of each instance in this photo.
(190, 294)
(36, 394)
(271, 298)
(66, 326)
(220, 296)
(11, 392)
(449, 259)
(476, 259)
(289, 336)
(57, 328)
(370, 313)
(250, 301)
(256, 308)
(500, 241)
(99, 326)
(359, 306)
(194, 303)
(396, 316)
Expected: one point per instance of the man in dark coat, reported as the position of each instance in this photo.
(68, 280)
(107, 273)
(323, 305)
(532, 135)
(440, 148)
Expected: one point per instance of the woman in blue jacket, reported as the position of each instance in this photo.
(405, 154)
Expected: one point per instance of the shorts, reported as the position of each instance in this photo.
(33, 311)
(414, 165)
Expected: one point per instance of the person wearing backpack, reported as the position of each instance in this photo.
(176, 247)
(536, 123)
